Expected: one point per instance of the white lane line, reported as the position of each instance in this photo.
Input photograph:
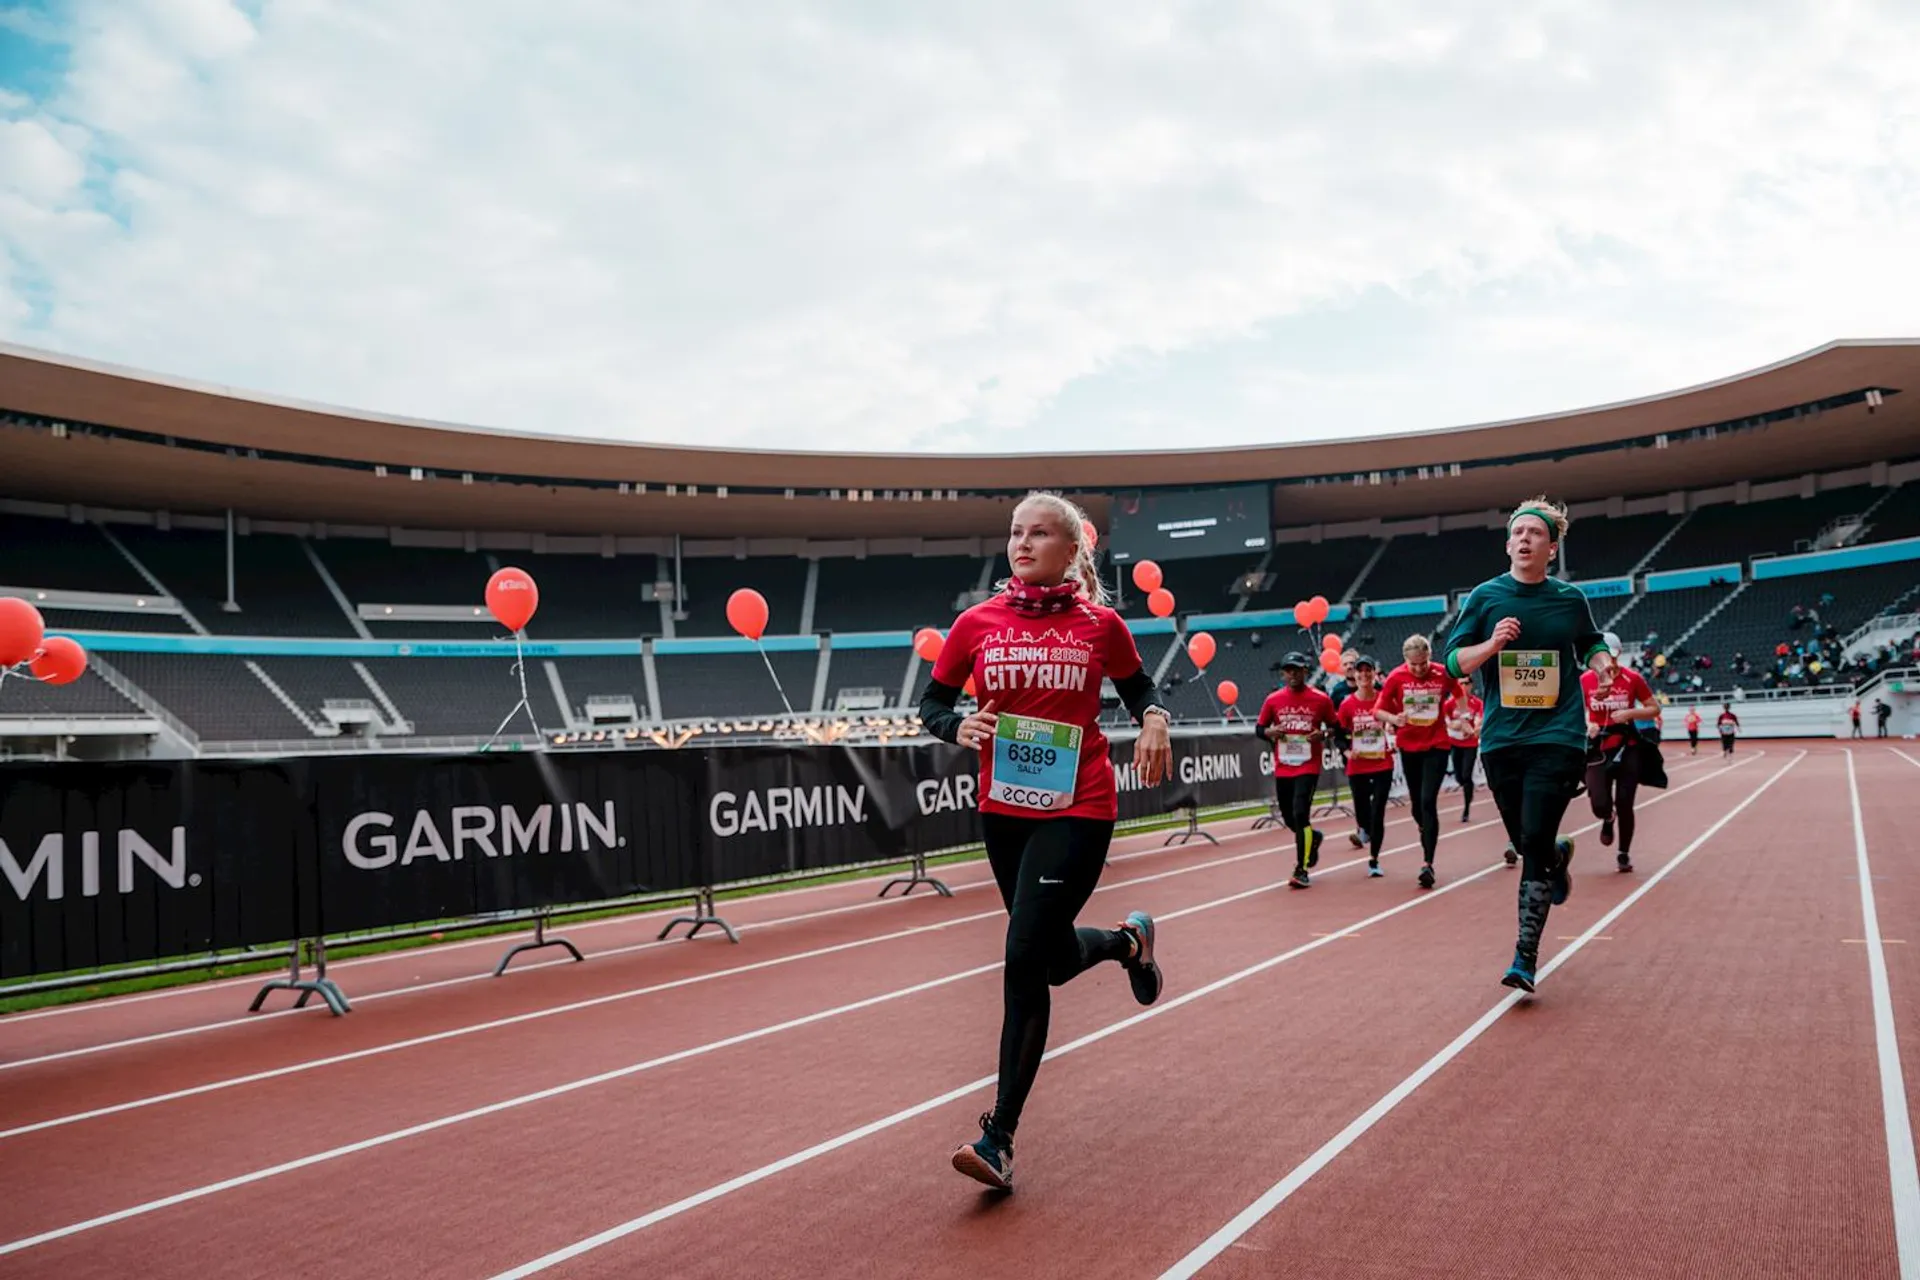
(592, 1002)
(1244, 1221)
(574, 1086)
(1902, 1174)
(109, 1003)
(463, 979)
(678, 1207)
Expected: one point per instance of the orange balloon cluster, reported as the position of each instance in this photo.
(1330, 647)
(24, 638)
(1311, 613)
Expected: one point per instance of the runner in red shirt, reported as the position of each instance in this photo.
(1370, 758)
(1037, 652)
(1410, 701)
(1729, 726)
(1295, 719)
(1463, 713)
(1693, 731)
(1616, 697)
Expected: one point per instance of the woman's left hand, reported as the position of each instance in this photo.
(1153, 750)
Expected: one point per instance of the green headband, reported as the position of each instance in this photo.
(1548, 518)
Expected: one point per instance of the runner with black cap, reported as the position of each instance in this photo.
(1530, 632)
(1295, 718)
(1370, 761)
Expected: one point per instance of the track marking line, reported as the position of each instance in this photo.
(574, 1086)
(111, 1003)
(624, 1229)
(1903, 1176)
(574, 1006)
(501, 939)
(1276, 1195)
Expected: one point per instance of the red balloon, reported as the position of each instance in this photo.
(1320, 609)
(927, 643)
(1330, 662)
(60, 661)
(21, 630)
(1229, 693)
(1200, 648)
(1147, 576)
(747, 612)
(1332, 641)
(1160, 602)
(1303, 613)
(512, 597)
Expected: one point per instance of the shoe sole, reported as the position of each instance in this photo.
(968, 1161)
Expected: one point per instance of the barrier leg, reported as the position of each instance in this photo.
(1271, 818)
(319, 985)
(919, 876)
(1333, 804)
(1193, 830)
(703, 915)
(540, 940)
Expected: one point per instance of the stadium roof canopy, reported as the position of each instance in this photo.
(96, 435)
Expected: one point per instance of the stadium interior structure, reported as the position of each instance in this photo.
(252, 576)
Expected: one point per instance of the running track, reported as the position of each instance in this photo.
(1334, 1084)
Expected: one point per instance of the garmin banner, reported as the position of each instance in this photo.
(106, 864)
(119, 863)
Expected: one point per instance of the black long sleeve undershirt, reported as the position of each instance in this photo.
(938, 702)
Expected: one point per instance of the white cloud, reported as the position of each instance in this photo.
(1021, 226)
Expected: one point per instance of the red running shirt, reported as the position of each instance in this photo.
(1297, 715)
(1459, 708)
(1048, 667)
(1372, 750)
(1627, 689)
(1421, 698)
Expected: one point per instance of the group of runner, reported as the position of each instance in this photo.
(1048, 800)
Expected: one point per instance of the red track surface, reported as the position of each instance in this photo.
(1696, 1091)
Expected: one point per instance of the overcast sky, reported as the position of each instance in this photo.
(1007, 224)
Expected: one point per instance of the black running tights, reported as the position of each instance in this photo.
(1611, 791)
(1463, 758)
(1370, 792)
(1425, 771)
(1532, 787)
(1046, 869)
(1295, 796)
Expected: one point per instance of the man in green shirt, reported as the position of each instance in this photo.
(1530, 635)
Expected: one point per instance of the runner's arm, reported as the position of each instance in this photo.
(1139, 696)
(937, 710)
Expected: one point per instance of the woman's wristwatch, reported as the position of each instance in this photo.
(1152, 707)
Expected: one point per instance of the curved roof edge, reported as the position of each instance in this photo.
(457, 432)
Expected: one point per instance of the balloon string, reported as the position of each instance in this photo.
(776, 677)
(520, 667)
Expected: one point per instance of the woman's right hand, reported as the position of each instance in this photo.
(977, 730)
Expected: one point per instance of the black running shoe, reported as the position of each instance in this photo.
(1143, 971)
(1355, 839)
(1299, 881)
(1626, 863)
(990, 1160)
(1562, 877)
(1606, 832)
(1520, 972)
(1426, 875)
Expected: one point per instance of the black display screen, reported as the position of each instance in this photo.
(1182, 524)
